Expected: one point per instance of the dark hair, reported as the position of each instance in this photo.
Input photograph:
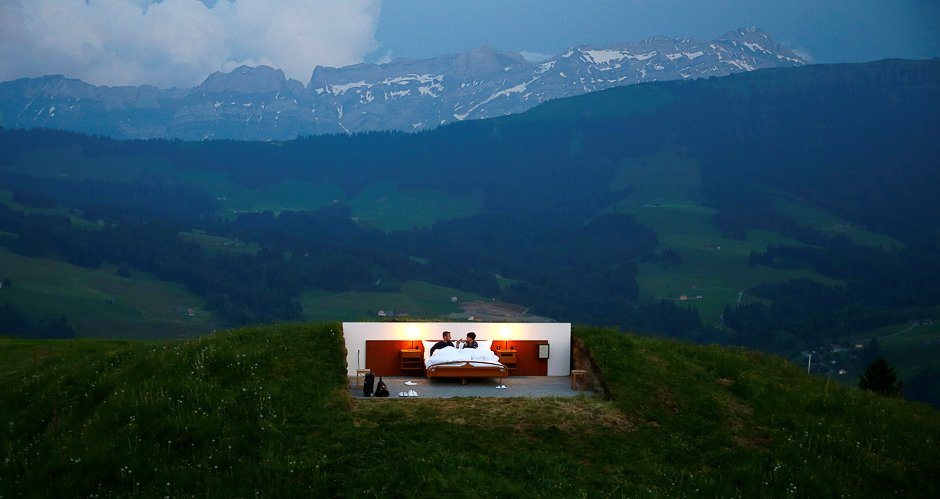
(472, 335)
(445, 333)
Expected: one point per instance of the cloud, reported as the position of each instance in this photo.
(533, 56)
(180, 42)
(386, 58)
(804, 54)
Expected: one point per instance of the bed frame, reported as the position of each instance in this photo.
(465, 369)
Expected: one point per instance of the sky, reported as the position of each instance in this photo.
(178, 43)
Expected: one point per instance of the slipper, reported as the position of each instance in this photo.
(401, 394)
(410, 383)
(413, 393)
(502, 386)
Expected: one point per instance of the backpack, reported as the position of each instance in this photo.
(381, 390)
(368, 384)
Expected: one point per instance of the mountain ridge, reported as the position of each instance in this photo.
(261, 103)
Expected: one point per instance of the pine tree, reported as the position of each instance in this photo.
(881, 378)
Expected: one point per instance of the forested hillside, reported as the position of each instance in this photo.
(815, 185)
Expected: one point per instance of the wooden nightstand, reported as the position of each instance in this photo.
(508, 358)
(411, 360)
(579, 378)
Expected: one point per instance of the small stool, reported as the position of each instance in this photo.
(361, 373)
(578, 374)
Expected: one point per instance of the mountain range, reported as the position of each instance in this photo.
(260, 103)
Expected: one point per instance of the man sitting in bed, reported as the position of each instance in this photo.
(470, 342)
(443, 343)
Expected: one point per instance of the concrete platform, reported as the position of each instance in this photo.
(516, 386)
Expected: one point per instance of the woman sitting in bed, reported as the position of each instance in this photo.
(470, 342)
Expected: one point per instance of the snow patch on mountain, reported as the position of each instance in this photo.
(756, 48)
(407, 79)
(342, 89)
(402, 94)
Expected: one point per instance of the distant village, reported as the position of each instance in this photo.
(841, 358)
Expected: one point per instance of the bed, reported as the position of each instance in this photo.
(463, 363)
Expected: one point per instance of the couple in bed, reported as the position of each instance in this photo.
(470, 342)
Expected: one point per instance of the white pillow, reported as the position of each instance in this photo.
(427, 347)
(485, 344)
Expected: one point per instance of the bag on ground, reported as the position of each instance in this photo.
(368, 385)
(380, 389)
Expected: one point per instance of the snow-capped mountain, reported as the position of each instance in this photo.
(260, 103)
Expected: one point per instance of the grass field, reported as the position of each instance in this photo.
(212, 243)
(6, 199)
(266, 412)
(418, 299)
(666, 195)
(830, 224)
(712, 267)
(101, 304)
(908, 348)
(386, 207)
(98, 302)
(381, 205)
(71, 164)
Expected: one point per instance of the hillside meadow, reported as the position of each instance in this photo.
(266, 412)
(99, 301)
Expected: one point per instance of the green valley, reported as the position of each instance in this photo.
(763, 210)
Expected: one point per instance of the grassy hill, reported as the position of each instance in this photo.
(266, 412)
(98, 302)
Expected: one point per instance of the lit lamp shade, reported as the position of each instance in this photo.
(411, 332)
(505, 333)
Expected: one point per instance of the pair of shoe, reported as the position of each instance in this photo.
(501, 386)
(409, 393)
(410, 383)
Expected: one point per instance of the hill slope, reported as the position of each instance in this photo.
(267, 412)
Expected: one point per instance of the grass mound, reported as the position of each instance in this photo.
(225, 413)
(266, 411)
(733, 421)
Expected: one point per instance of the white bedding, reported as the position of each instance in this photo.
(450, 354)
